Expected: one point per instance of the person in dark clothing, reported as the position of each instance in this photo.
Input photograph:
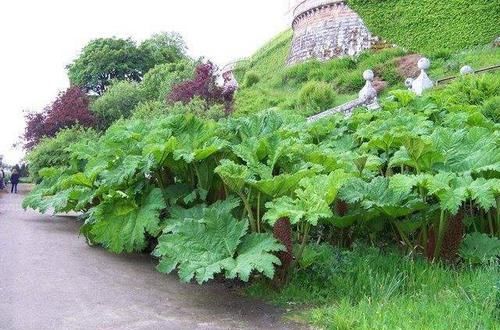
(14, 180)
(2, 179)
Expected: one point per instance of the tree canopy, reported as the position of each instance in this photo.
(70, 108)
(106, 59)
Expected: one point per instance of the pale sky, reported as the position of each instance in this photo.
(39, 38)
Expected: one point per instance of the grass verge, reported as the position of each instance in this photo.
(372, 289)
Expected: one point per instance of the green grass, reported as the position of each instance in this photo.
(279, 86)
(370, 289)
(274, 85)
(445, 63)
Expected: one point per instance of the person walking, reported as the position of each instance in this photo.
(14, 180)
(2, 179)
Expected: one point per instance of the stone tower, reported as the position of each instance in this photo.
(324, 29)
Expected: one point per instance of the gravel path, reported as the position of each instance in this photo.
(51, 279)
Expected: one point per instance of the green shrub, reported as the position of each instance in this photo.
(198, 108)
(52, 152)
(149, 110)
(158, 81)
(470, 90)
(480, 248)
(302, 72)
(316, 95)
(251, 78)
(117, 102)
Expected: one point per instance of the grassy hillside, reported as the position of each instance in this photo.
(427, 25)
(266, 82)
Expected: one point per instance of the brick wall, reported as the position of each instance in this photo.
(328, 31)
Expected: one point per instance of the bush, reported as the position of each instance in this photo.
(251, 78)
(158, 82)
(198, 108)
(117, 102)
(52, 152)
(316, 95)
(470, 90)
(491, 109)
(300, 73)
(149, 110)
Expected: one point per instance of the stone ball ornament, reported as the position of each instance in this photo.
(465, 70)
(424, 64)
(368, 75)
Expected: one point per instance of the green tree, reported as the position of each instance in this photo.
(106, 59)
(158, 81)
(103, 60)
(164, 47)
(117, 102)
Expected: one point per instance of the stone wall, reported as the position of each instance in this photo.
(325, 30)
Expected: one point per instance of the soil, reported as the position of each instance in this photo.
(407, 66)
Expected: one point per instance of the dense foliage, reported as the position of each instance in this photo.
(106, 59)
(419, 173)
(272, 197)
(203, 85)
(52, 152)
(69, 109)
(317, 96)
(160, 80)
(429, 25)
(119, 100)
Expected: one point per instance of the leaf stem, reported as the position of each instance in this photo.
(498, 216)
(258, 212)
(305, 238)
(442, 229)
(402, 234)
(246, 203)
(490, 223)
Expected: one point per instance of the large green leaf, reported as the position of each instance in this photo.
(281, 184)
(121, 225)
(234, 176)
(214, 242)
(312, 201)
(378, 195)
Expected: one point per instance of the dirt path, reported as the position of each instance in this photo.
(50, 279)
